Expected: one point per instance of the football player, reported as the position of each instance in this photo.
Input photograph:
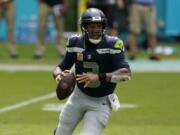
(58, 9)
(99, 65)
(109, 8)
(142, 17)
(7, 11)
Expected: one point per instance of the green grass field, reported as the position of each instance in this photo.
(156, 96)
(25, 55)
(51, 56)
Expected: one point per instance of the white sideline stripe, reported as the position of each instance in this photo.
(26, 67)
(27, 102)
(155, 66)
(136, 66)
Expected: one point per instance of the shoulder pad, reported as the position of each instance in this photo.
(119, 44)
(114, 42)
(71, 41)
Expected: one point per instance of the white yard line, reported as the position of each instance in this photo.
(27, 102)
(46, 107)
(59, 107)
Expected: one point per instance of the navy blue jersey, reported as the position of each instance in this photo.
(102, 58)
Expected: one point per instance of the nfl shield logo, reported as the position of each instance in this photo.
(79, 56)
(89, 56)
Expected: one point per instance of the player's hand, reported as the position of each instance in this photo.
(58, 73)
(67, 71)
(61, 74)
(59, 77)
(87, 78)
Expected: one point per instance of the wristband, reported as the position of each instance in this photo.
(102, 77)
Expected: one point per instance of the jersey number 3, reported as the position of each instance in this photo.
(92, 67)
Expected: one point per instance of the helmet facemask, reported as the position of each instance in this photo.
(94, 32)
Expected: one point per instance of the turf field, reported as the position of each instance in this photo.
(51, 56)
(156, 96)
(23, 94)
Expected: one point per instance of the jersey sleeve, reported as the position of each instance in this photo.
(69, 58)
(118, 59)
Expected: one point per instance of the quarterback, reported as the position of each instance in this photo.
(99, 65)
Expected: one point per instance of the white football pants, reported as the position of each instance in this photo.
(94, 112)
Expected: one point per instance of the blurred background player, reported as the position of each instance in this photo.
(99, 65)
(121, 16)
(58, 9)
(109, 8)
(7, 11)
(142, 16)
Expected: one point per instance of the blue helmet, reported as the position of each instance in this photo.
(93, 15)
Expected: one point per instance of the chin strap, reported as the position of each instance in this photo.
(95, 41)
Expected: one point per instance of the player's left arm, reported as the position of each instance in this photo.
(119, 75)
(122, 72)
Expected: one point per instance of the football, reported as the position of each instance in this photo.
(65, 86)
